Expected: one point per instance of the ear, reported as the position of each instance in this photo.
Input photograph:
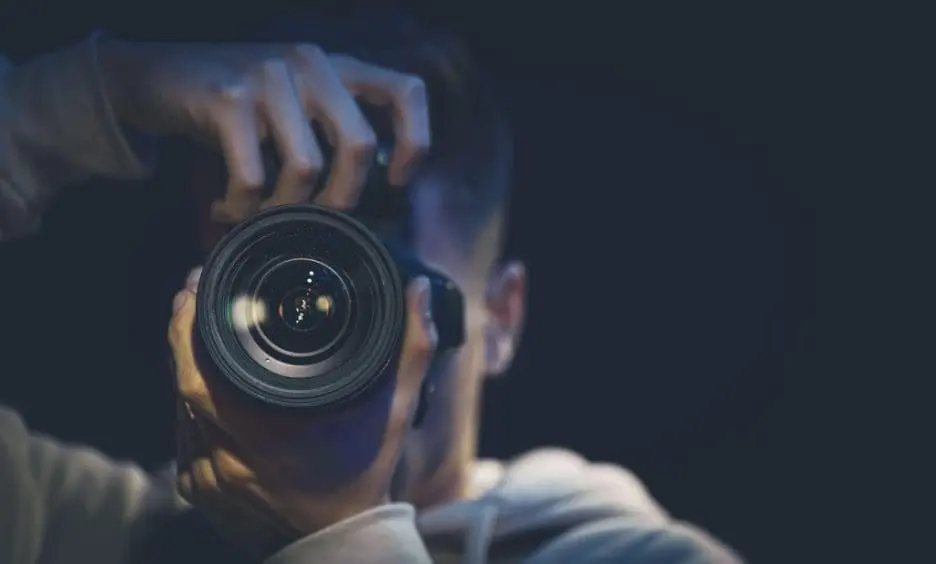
(506, 311)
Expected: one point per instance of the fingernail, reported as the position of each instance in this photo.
(179, 300)
(425, 297)
(191, 281)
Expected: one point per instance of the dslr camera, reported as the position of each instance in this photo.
(304, 307)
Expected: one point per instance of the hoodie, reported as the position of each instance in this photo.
(61, 504)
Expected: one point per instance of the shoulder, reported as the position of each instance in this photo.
(566, 473)
(604, 513)
(620, 539)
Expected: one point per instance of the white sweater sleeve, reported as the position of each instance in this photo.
(56, 128)
(69, 505)
(62, 504)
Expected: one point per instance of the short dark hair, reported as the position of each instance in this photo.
(472, 136)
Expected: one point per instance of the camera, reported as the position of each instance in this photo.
(302, 306)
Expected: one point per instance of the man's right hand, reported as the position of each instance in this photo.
(268, 477)
(235, 96)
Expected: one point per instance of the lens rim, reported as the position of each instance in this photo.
(355, 367)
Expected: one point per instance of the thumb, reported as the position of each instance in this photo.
(189, 379)
(419, 345)
(183, 319)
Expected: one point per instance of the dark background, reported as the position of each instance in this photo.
(699, 220)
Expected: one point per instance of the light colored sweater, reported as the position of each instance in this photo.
(61, 504)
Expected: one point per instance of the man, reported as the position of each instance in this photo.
(273, 486)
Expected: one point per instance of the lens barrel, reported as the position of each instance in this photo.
(303, 306)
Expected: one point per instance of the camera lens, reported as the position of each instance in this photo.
(300, 307)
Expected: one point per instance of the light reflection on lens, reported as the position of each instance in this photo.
(247, 313)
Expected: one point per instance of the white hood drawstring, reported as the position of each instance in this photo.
(480, 534)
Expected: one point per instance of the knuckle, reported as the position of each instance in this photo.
(412, 88)
(177, 330)
(342, 60)
(244, 184)
(204, 473)
(363, 145)
(274, 69)
(239, 208)
(248, 186)
(418, 145)
(309, 53)
(304, 169)
(230, 93)
(230, 471)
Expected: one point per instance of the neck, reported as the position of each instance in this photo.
(451, 481)
(441, 460)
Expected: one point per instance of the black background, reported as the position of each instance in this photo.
(710, 241)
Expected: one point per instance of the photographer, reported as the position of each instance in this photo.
(289, 488)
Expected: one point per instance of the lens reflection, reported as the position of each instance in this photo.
(303, 309)
(311, 302)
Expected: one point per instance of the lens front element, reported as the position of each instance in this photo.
(310, 305)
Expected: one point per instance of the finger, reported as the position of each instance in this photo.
(299, 152)
(189, 380)
(406, 95)
(235, 120)
(188, 448)
(185, 445)
(329, 101)
(184, 484)
(418, 346)
(230, 469)
(204, 475)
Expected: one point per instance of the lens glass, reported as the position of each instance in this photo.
(300, 307)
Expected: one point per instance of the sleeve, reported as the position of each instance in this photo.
(385, 535)
(70, 504)
(620, 539)
(56, 128)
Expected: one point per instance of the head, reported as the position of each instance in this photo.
(459, 210)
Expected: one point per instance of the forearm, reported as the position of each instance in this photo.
(65, 504)
(56, 128)
(70, 504)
